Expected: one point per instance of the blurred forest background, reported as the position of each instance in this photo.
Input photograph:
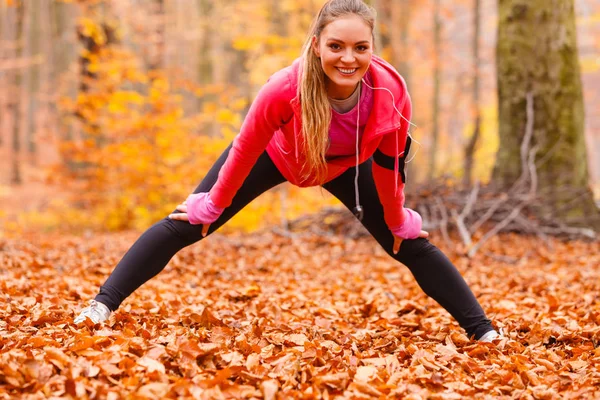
(112, 111)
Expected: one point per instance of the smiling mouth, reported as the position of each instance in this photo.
(347, 71)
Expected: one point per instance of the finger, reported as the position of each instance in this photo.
(179, 216)
(205, 229)
(397, 243)
(181, 207)
(424, 234)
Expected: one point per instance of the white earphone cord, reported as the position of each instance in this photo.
(358, 209)
(401, 116)
(356, 195)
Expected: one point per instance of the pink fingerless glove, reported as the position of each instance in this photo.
(201, 209)
(411, 228)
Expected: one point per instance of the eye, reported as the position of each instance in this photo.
(362, 48)
(334, 46)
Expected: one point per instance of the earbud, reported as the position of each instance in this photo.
(358, 212)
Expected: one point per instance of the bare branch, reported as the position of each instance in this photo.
(470, 201)
(462, 229)
(495, 230)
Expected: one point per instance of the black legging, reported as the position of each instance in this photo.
(433, 271)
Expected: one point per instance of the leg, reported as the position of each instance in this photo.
(154, 249)
(433, 271)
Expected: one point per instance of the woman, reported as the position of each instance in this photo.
(337, 117)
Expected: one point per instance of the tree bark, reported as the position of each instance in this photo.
(30, 84)
(14, 103)
(380, 39)
(3, 83)
(157, 47)
(537, 52)
(472, 144)
(437, 77)
(400, 14)
(205, 64)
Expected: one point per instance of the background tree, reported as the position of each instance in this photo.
(14, 101)
(437, 82)
(537, 54)
(472, 142)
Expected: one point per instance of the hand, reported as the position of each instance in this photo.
(398, 240)
(182, 216)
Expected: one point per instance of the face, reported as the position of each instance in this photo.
(345, 48)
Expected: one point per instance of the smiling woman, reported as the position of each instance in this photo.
(338, 117)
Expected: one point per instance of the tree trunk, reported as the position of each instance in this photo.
(472, 144)
(46, 118)
(30, 84)
(400, 14)
(157, 47)
(437, 74)
(3, 80)
(63, 22)
(15, 105)
(380, 39)
(537, 53)
(205, 64)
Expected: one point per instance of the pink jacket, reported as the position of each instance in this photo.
(274, 123)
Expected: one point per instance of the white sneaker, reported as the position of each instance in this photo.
(96, 312)
(492, 335)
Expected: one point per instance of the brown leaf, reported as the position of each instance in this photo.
(154, 390)
(270, 389)
(335, 380)
(75, 388)
(57, 357)
(221, 377)
(193, 349)
(366, 388)
(151, 364)
(37, 370)
(296, 338)
(365, 373)
(208, 319)
(82, 343)
(108, 368)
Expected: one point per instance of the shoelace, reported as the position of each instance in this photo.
(95, 307)
(94, 311)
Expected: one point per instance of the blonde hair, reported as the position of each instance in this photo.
(316, 110)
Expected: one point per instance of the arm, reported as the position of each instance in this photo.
(390, 178)
(269, 111)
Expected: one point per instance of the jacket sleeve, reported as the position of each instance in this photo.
(388, 170)
(270, 110)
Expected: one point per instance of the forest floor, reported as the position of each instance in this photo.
(267, 316)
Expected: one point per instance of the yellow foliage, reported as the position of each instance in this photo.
(245, 43)
(226, 116)
(139, 156)
(239, 104)
(589, 64)
(91, 29)
(485, 153)
(592, 19)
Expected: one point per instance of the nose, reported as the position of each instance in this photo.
(348, 56)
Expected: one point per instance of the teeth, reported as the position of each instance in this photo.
(347, 71)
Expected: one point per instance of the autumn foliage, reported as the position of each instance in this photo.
(138, 154)
(264, 316)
